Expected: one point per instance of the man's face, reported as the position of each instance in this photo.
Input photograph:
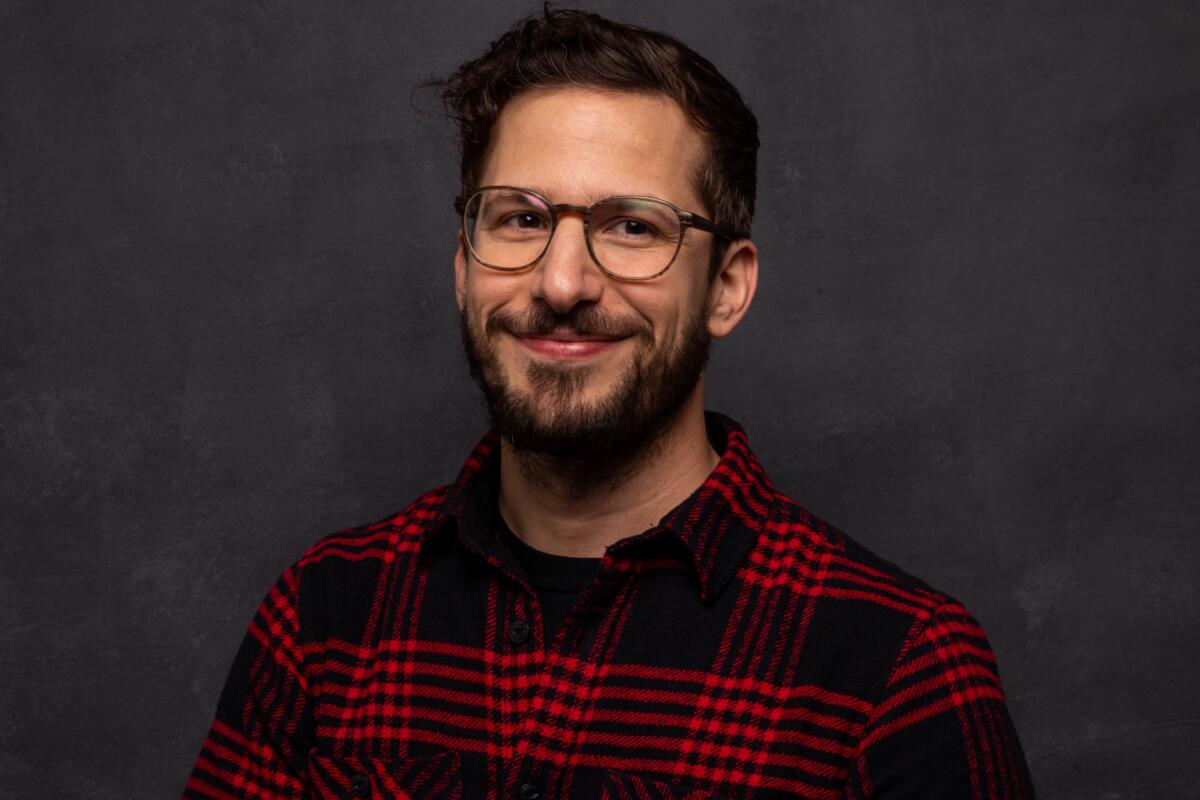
(574, 363)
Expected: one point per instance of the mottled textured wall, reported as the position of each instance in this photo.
(227, 327)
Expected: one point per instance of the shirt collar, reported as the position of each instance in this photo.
(718, 524)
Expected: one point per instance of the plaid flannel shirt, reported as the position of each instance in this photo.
(741, 648)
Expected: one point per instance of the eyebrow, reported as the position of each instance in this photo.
(592, 197)
(511, 192)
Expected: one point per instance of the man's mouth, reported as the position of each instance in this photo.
(568, 345)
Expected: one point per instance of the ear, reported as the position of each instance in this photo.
(460, 275)
(732, 288)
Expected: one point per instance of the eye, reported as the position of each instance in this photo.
(630, 229)
(635, 222)
(633, 228)
(524, 220)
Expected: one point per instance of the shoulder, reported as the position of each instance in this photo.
(338, 577)
(381, 540)
(865, 614)
(839, 566)
(915, 663)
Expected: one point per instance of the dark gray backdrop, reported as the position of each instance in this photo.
(228, 328)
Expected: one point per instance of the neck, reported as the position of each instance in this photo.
(580, 507)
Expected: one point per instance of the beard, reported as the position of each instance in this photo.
(553, 419)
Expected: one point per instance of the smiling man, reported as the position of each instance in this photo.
(612, 599)
(587, 318)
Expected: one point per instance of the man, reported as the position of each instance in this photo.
(612, 600)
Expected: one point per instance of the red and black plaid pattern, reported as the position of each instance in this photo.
(741, 648)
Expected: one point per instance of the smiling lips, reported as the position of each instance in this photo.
(570, 346)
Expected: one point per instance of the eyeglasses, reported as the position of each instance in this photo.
(631, 238)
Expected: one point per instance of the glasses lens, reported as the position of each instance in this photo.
(506, 228)
(634, 237)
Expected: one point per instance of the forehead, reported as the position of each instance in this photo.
(580, 144)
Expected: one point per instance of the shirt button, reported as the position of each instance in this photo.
(360, 784)
(518, 632)
(530, 792)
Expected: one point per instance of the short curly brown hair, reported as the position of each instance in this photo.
(564, 47)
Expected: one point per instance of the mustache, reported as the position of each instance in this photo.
(581, 320)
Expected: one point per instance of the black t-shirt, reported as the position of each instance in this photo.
(558, 580)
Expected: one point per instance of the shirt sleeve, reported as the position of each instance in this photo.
(259, 741)
(941, 728)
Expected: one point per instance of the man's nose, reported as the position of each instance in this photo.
(566, 275)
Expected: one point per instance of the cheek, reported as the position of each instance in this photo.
(669, 308)
(485, 293)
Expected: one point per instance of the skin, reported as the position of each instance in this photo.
(578, 145)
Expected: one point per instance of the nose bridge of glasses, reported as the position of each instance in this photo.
(575, 241)
(557, 211)
(573, 208)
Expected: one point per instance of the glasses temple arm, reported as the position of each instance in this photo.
(697, 221)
